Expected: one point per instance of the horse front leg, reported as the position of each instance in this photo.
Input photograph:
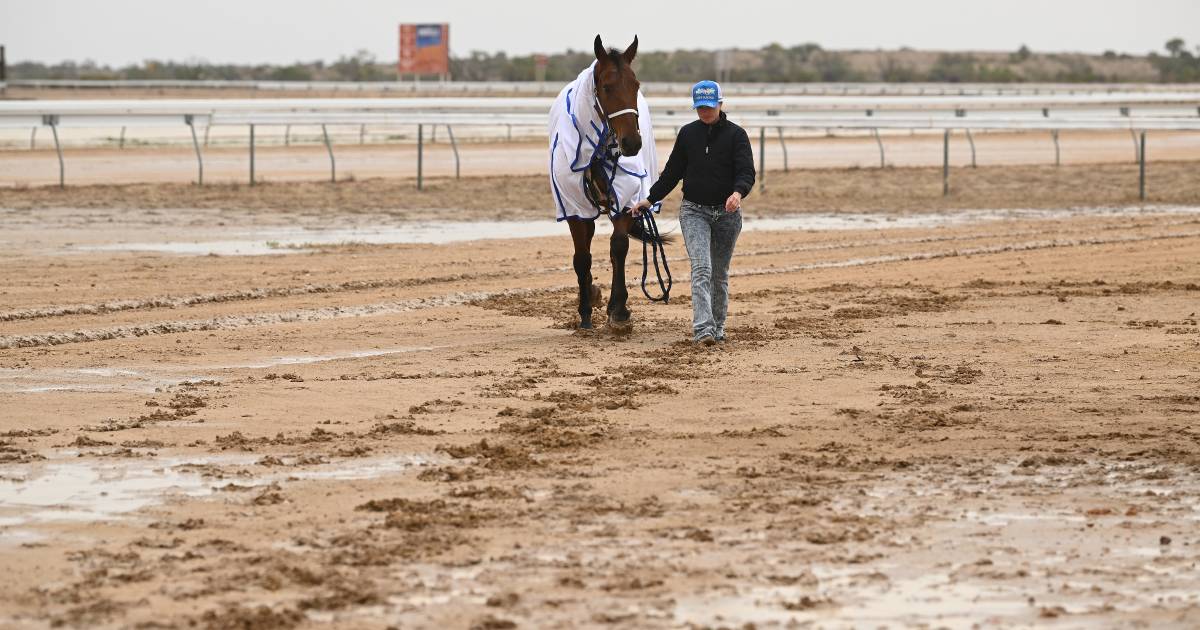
(618, 249)
(581, 236)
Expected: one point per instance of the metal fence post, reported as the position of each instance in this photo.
(453, 145)
(420, 155)
(879, 142)
(252, 153)
(1142, 167)
(1137, 152)
(190, 120)
(329, 148)
(971, 141)
(362, 134)
(1057, 154)
(52, 121)
(946, 163)
(783, 145)
(762, 159)
(287, 135)
(33, 139)
(121, 142)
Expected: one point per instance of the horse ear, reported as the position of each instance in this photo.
(601, 56)
(630, 52)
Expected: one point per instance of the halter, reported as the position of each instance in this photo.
(615, 114)
(600, 108)
(652, 246)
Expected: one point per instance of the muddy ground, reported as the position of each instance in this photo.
(989, 420)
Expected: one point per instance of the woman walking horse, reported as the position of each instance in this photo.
(602, 159)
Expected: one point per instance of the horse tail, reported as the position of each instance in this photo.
(638, 231)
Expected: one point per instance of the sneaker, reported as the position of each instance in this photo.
(707, 340)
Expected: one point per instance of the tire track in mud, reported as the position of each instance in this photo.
(918, 240)
(245, 295)
(973, 251)
(458, 299)
(248, 295)
(230, 322)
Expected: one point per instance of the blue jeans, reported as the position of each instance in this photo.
(709, 232)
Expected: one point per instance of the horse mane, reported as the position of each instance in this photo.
(616, 58)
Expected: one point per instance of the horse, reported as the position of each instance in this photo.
(609, 177)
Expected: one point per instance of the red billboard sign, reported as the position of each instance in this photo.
(425, 49)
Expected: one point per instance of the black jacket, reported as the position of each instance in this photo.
(713, 160)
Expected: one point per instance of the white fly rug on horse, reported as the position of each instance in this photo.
(577, 132)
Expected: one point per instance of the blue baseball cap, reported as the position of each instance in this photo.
(706, 94)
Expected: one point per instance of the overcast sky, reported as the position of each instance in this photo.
(118, 32)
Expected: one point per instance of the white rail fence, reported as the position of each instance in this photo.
(1134, 112)
(551, 88)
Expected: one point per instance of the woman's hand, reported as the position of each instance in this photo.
(734, 202)
(640, 207)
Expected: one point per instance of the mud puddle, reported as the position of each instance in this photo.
(41, 380)
(73, 490)
(287, 240)
(151, 379)
(1014, 544)
(67, 488)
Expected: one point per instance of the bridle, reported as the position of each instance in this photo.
(652, 245)
(600, 108)
(613, 115)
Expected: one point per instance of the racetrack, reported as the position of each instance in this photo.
(929, 412)
(226, 164)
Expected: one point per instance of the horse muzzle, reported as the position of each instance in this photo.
(630, 146)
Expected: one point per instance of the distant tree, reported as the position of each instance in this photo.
(1180, 67)
(776, 62)
(893, 71)
(361, 66)
(953, 68)
(294, 72)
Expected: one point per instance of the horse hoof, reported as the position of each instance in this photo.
(619, 329)
(585, 325)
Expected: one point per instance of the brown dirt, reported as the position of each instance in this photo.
(892, 435)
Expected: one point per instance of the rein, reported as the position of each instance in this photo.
(652, 245)
(655, 244)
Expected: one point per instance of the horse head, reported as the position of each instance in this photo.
(617, 92)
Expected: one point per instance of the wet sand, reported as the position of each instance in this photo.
(983, 419)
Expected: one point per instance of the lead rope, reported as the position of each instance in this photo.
(652, 245)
